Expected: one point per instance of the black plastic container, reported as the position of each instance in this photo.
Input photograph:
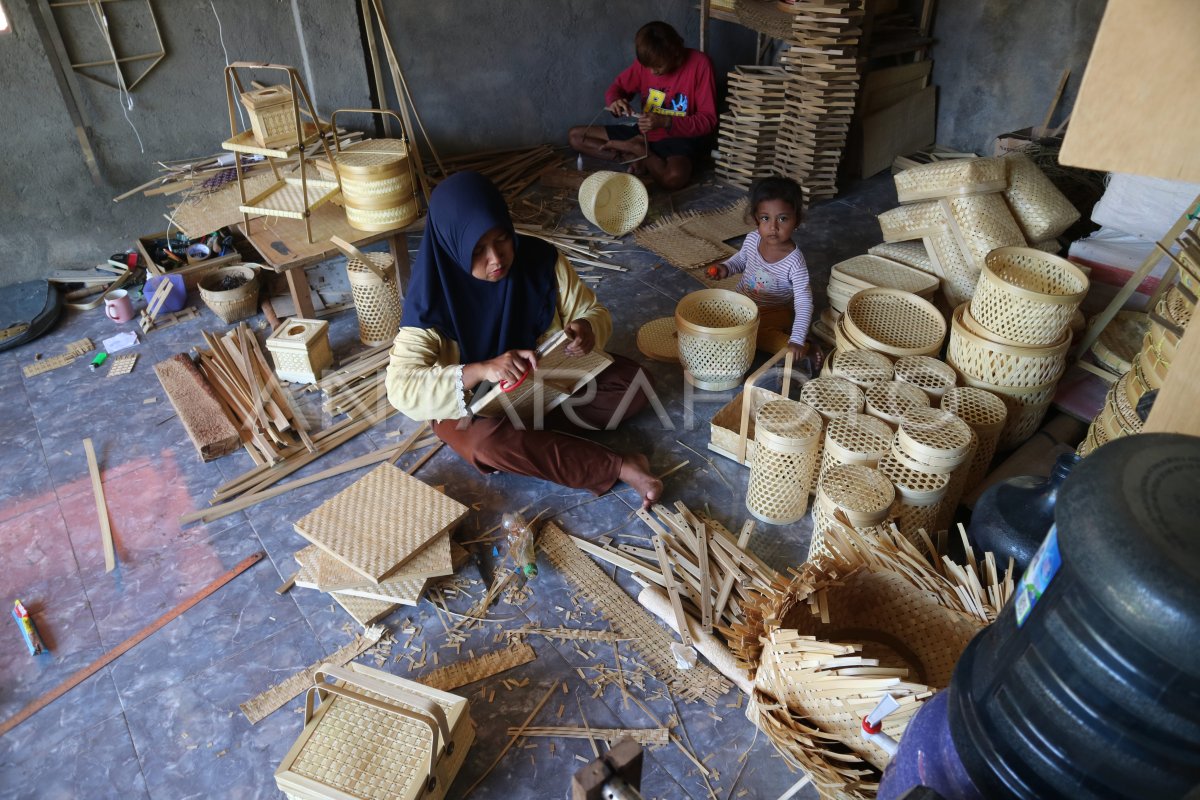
(1011, 518)
(1089, 686)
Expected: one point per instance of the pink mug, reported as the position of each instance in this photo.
(117, 306)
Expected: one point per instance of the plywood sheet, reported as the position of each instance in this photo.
(902, 128)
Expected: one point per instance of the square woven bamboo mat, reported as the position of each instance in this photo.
(400, 589)
(696, 239)
(380, 521)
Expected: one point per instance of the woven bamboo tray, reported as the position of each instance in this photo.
(1025, 296)
(932, 376)
(1026, 406)
(869, 271)
(659, 340)
(615, 202)
(912, 254)
(832, 397)
(891, 400)
(863, 368)
(787, 449)
(1003, 364)
(1041, 210)
(376, 736)
(953, 177)
(717, 330)
(895, 323)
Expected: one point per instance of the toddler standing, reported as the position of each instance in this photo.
(772, 267)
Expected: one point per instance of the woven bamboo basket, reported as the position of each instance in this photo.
(877, 616)
(959, 275)
(377, 181)
(932, 440)
(868, 272)
(1177, 308)
(981, 223)
(894, 323)
(919, 496)
(615, 202)
(948, 507)
(376, 297)
(863, 368)
(231, 305)
(300, 349)
(1027, 297)
(932, 376)
(717, 330)
(787, 440)
(272, 115)
(1127, 416)
(915, 221)
(849, 493)
(985, 413)
(950, 178)
(889, 401)
(1041, 210)
(1154, 368)
(832, 397)
(855, 439)
(1026, 405)
(1003, 364)
(1118, 344)
(1135, 384)
(912, 254)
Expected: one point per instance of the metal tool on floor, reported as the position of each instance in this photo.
(127, 645)
(616, 775)
(29, 631)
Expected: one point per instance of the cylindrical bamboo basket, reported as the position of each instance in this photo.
(894, 323)
(863, 368)
(231, 305)
(377, 185)
(1027, 297)
(862, 495)
(855, 439)
(717, 330)
(1041, 210)
(920, 494)
(1027, 406)
(615, 202)
(832, 397)
(927, 373)
(932, 440)
(891, 400)
(376, 298)
(950, 178)
(787, 437)
(1003, 364)
(985, 413)
(948, 507)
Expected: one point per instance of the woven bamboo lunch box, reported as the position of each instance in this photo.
(376, 736)
(953, 177)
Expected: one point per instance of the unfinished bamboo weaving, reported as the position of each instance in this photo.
(558, 376)
(913, 615)
(380, 521)
(695, 239)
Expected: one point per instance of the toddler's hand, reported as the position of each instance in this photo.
(718, 272)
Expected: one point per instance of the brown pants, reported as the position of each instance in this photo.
(774, 328)
(494, 444)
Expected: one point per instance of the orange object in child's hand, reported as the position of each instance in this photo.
(714, 273)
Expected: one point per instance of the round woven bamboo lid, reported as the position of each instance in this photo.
(372, 157)
(931, 375)
(863, 368)
(894, 322)
(863, 494)
(979, 408)
(917, 487)
(787, 426)
(857, 438)
(659, 340)
(832, 397)
(932, 438)
(891, 400)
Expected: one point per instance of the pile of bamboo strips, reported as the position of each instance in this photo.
(234, 365)
(581, 249)
(357, 388)
(513, 171)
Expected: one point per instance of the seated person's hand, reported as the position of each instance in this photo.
(717, 271)
(510, 366)
(648, 122)
(619, 108)
(582, 338)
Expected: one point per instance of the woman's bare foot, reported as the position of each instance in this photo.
(635, 471)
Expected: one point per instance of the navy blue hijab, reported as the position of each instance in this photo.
(485, 318)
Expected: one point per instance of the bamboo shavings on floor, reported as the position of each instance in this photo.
(513, 171)
(643, 736)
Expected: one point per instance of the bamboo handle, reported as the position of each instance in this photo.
(350, 251)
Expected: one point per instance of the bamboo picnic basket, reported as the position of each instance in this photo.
(889, 401)
(985, 413)
(863, 368)
(974, 354)
(378, 189)
(1040, 209)
(931, 375)
(375, 736)
(853, 494)
(231, 305)
(787, 448)
(878, 615)
(717, 330)
(894, 323)
(1027, 297)
(615, 202)
(376, 293)
(731, 430)
(950, 178)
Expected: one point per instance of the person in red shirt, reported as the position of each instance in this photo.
(678, 111)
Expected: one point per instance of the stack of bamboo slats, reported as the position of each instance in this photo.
(356, 388)
(747, 141)
(513, 171)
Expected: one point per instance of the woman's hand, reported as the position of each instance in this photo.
(717, 271)
(508, 367)
(582, 338)
(619, 108)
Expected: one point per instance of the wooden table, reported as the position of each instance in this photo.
(283, 246)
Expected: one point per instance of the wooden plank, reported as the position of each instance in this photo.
(1132, 113)
(899, 129)
(706, 616)
(110, 557)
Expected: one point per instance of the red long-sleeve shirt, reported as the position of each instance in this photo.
(687, 95)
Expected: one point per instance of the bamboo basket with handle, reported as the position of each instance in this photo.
(376, 293)
(731, 431)
(377, 179)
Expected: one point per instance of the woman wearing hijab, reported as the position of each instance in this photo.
(480, 301)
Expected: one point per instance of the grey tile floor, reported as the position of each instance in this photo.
(162, 721)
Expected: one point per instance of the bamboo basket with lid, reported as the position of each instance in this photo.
(300, 349)
(272, 118)
(889, 401)
(1027, 297)
(717, 330)
(855, 439)
(894, 323)
(974, 354)
(378, 188)
(787, 438)
(832, 397)
(985, 413)
(931, 375)
(911, 253)
(932, 440)
(1026, 407)
(952, 177)
(919, 495)
(376, 293)
(849, 493)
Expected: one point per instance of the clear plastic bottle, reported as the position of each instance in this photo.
(519, 536)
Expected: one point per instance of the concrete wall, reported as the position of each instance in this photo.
(484, 76)
(997, 64)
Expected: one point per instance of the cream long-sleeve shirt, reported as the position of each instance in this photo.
(424, 376)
